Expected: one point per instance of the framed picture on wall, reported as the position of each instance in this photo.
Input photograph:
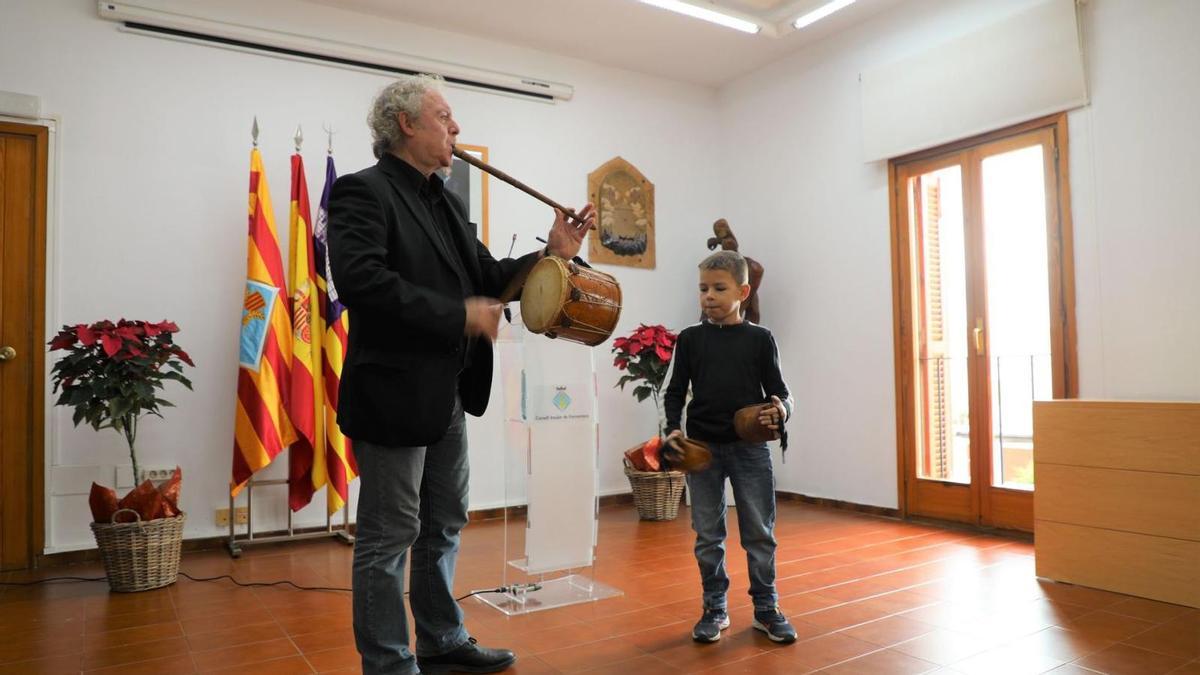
(471, 185)
(624, 199)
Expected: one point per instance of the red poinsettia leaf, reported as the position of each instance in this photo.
(152, 329)
(111, 344)
(85, 335)
(62, 340)
(663, 353)
(183, 356)
(168, 326)
(127, 332)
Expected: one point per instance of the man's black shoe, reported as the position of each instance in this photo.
(469, 657)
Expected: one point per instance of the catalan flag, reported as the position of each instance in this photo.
(339, 455)
(262, 427)
(306, 468)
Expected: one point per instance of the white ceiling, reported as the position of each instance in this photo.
(629, 34)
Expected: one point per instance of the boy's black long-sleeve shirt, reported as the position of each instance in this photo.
(728, 367)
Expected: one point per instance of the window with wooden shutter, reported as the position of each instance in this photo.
(937, 426)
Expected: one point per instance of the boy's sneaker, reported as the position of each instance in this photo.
(772, 622)
(709, 627)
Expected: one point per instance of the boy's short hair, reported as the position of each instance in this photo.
(730, 261)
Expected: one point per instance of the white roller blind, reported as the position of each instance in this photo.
(1019, 68)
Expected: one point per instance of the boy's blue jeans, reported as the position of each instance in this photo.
(748, 468)
(412, 504)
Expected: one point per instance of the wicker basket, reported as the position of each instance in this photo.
(656, 494)
(139, 556)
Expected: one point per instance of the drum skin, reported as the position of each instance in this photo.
(564, 300)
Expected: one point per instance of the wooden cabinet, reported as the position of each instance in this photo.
(1117, 504)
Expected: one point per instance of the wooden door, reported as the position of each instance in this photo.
(23, 157)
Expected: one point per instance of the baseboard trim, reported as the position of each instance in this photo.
(784, 496)
(88, 555)
(885, 512)
(480, 515)
(213, 543)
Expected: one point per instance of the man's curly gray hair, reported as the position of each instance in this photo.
(406, 95)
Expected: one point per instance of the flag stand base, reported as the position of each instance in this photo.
(235, 542)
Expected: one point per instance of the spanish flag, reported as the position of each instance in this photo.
(306, 468)
(339, 455)
(262, 428)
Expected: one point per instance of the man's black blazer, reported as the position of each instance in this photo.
(394, 273)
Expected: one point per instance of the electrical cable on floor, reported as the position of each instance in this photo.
(502, 589)
(42, 581)
(264, 583)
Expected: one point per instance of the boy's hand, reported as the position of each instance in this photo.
(670, 452)
(772, 417)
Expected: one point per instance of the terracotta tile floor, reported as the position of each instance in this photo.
(867, 595)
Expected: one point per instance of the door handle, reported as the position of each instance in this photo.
(7, 353)
(978, 337)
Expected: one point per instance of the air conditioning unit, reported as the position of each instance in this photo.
(171, 25)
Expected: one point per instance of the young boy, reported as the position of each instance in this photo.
(730, 363)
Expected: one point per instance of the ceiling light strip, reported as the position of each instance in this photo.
(707, 15)
(821, 12)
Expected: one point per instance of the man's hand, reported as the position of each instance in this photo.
(566, 237)
(483, 317)
(772, 418)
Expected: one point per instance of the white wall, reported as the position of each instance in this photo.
(1135, 167)
(152, 173)
(817, 218)
(152, 178)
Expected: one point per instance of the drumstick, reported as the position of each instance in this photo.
(507, 311)
(517, 282)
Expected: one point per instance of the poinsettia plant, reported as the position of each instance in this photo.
(645, 354)
(112, 372)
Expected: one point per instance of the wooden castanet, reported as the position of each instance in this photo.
(747, 426)
(685, 454)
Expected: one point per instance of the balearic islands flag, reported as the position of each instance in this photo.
(339, 455)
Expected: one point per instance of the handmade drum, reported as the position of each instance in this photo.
(565, 300)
